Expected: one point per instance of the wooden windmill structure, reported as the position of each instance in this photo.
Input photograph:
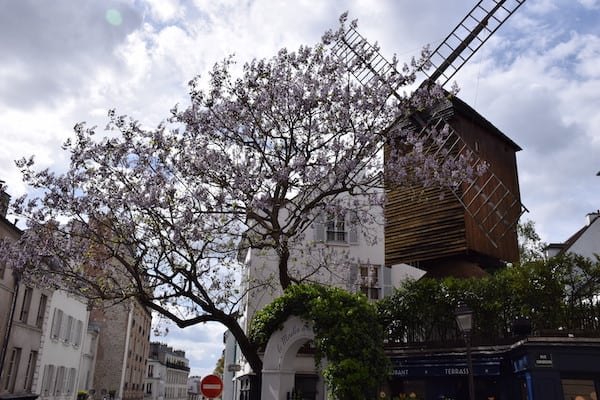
(473, 229)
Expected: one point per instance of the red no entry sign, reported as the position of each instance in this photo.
(211, 386)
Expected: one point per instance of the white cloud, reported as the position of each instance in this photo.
(590, 4)
(166, 10)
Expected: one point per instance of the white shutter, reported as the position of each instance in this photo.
(56, 323)
(78, 333)
(354, 284)
(352, 224)
(386, 280)
(319, 225)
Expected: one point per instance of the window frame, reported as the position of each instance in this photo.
(25, 304)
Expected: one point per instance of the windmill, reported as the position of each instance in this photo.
(475, 227)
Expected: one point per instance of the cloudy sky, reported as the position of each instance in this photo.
(537, 79)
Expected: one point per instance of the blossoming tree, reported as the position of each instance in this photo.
(160, 214)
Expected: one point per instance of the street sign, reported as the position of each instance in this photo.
(211, 386)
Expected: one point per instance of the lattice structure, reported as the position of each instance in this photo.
(468, 36)
(490, 203)
(364, 60)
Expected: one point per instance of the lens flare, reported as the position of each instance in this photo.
(114, 17)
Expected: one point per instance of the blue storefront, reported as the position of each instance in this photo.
(530, 369)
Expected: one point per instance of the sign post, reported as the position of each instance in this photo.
(211, 386)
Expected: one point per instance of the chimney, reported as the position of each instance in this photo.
(4, 200)
(591, 217)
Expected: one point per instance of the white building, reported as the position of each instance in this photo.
(155, 380)
(334, 252)
(167, 374)
(585, 242)
(193, 385)
(62, 347)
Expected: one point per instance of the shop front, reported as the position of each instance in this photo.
(530, 369)
(444, 377)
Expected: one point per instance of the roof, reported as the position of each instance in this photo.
(567, 244)
(468, 111)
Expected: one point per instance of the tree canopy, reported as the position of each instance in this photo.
(161, 214)
(558, 294)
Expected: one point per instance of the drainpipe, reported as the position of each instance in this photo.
(13, 305)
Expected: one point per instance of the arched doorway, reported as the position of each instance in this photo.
(278, 374)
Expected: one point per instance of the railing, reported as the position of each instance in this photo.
(179, 366)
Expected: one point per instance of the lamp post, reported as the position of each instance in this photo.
(464, 319)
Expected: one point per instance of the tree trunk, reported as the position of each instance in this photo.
(284, 255)
(248, 349)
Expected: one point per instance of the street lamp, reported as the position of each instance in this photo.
(464, 319)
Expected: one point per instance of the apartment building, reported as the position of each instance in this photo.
(62, 347)
(167, 373)
(122, 350)
(22, 316)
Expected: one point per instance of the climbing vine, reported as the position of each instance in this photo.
(347, 333)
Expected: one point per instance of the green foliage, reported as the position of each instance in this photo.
(219, 367)
(531, 247)
(347, 333)
(557, 294)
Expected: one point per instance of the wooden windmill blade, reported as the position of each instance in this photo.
(489, 202)
(468, 36)
(364, 60)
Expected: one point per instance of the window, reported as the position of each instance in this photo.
(2, 269)
(337, 228)
(12, 369)
(59, 382)
(25, 304)
(47, 380)
(369, 281)
(56, 323)
(30, 369)
(70, 386)
(39, 320)
(578, 389)
(150, 371)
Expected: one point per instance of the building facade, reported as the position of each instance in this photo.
(23, 310)
(122, 350)
(88, 357)
(62, 347)
(167, 373)
(193, 384)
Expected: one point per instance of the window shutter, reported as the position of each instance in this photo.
(387, 281)
(78, 333)
(56, 323)
(319, 225)
(352, 221)
(354, 284)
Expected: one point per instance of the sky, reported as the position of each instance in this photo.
(67, 61)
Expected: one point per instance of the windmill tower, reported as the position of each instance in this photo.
(473, 228)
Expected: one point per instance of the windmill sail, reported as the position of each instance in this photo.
(490, 203)
(468, 36)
